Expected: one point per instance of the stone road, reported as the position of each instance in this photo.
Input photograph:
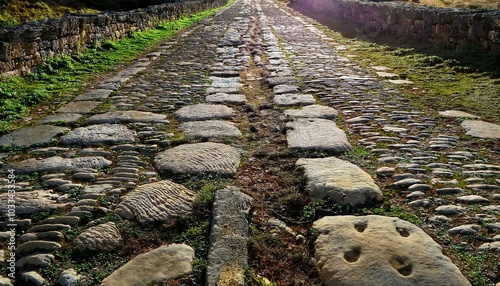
(121, 138)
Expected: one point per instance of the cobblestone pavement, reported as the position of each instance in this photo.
(196, 108)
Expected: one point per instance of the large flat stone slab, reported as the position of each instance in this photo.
(313, 111)
(102, 237)
(158, 265)
(29, 136)
(82, 107)
(228, 254)
(199, 158)
(199, 112)
(457, 114)
(99, 134)
(57, 164)
(158, 201)
(378, 250)
(94, 94)
(60, 118)
(31, 201)
(341, 181)
(209, 129)
(233, 82)
(316, 134)
(225, 98)
(294, 99)
(481, 129)
(128, 116)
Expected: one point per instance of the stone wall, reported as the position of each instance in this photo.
(446, 28)
(24, 47)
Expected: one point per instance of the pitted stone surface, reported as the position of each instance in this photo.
(158, 265)
(225, 98)
(481, 129)
(56, 164)
(99, 134)
(103, 237)
(32, 201)
(209, 129)
(316, 134)
(29, 136)
(377, 250)
(158, 201)
(313, 111)
(82, 107)
(200, 112)
(199, 158)
(127, 116)
(341, 181)
(294, 99)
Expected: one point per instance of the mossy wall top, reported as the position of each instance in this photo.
(443, 27)
(24, 47)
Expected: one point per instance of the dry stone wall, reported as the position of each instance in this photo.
(24, 47)
(447, 28)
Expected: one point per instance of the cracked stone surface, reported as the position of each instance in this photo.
(316, 134)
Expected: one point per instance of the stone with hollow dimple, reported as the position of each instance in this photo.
(209, 129)
(481, 129)
(378, 250)
(29, 136)
(294, 99)
(316, 134)
(99, 134)
(313, 111)
(200, 112)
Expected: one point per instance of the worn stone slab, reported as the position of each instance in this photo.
(199, 112)
(231, 82)
(225, 98)
(158, 201)
(313, 111)
(316, 134)
(228, 252)
(127, 116)
(378, 250)
(33, 135)
(481, 129)
(158, 265)
(387, 75)
(60, 118)
(285, 88)
(400, 81)
(82, 107)
(102, 237)
(294, 99)
(94, 94)
(99, 134)
(56, 164)
(211, 90)
(35, 260)
(457, 114)
(199, 158)
(31, 202)
(341, 181)
(209, 129)
(37, 246)
(273, 81)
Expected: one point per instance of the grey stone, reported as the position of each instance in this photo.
(200, 112)
(225, 98)
(467, 229)
(49, 227)
(104, 237)
(50, 235)
(449, 191)
(33, 278)
(128, 116)
(449, 210)
(56, 163)
(228, 253)
(35, 246)
(29, 136)
(491, 246)
(385, 171)
(209, 129)
(387, 75)
(457, 114)
(316, 134)
(313, 111)
(31, 202)
(35, 260)
(226, 82)
(405, 183)
(94, 94)
(158, 201)
(199, 158)
(415, 195)
(472, 199)
(284, 88)
(481, 129)
(156, 266)
(339, 180)
(419, 187)
(82, 107)
(422, 203)
(60, 118)
(99, 134)
(68, 277)
(294, 99)
(378, 250)
(400, 81)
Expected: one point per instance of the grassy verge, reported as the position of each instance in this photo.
(60, 77)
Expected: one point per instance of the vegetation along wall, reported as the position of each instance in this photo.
(24, 47)
(443, 27)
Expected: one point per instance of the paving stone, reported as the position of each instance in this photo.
(82, 107)
(313, 111)
(377, 250)
(36, 246)
(385, 171)
(68, 277)
(199, 112)
(341, 181)
(127, 116)
(481, 129)
(225, 98)
(387, 75)
(158, 201)
(104, 237)
(56, 163)
(401, 81)
(406, 183)
(209, 129)
(94, 94)
(99, 134)
(44, 235)
(199, 158)
(31, 201)
(29, 136)
(467, 229)
(49, 227)
(316, 134)
(284, 88)
(60, 118)
(449, 191)
(36, 261)
(419, 187)
(153, 267)
(472, 199)
(228, 251)
(450, 210)
(491, 246)
(457, 114)
(294, 99)
(68, 220)
(33, 278)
